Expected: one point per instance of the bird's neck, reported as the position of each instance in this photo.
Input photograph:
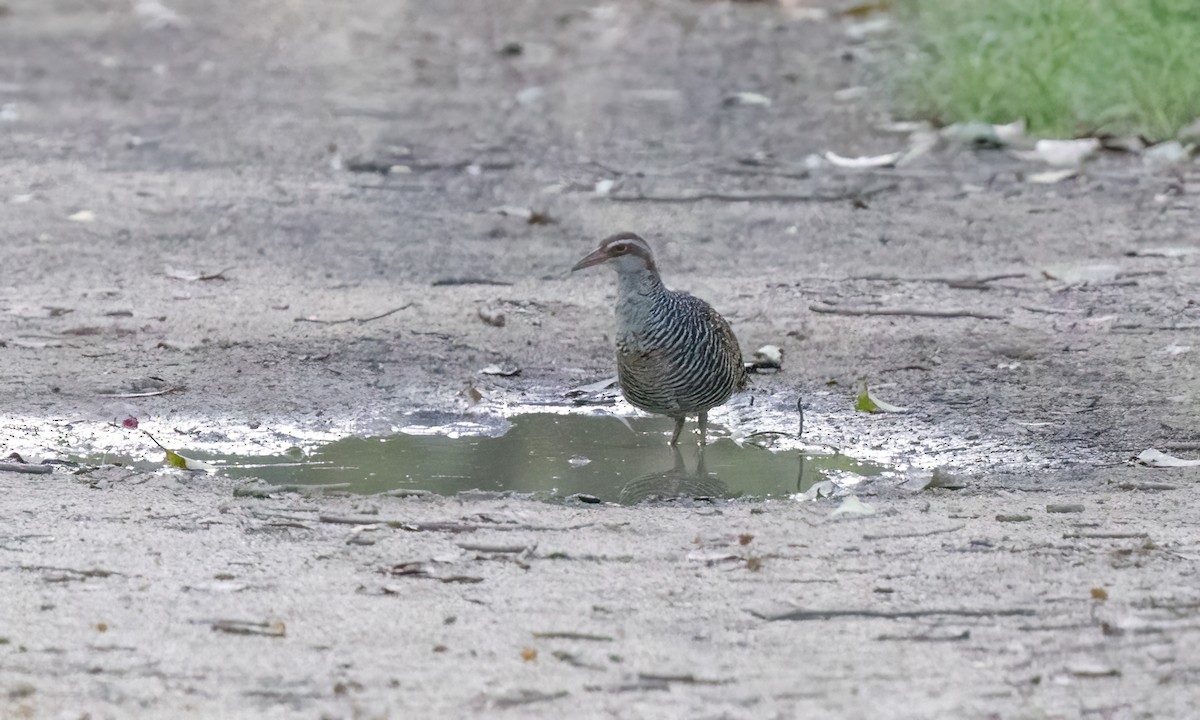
(637, 292)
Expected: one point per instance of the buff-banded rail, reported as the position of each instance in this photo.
(676, 356)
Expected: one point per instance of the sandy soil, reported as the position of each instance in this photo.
(243, 138)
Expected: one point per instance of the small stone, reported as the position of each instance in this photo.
(1064, 508)
(495, 318)
(1013, 518)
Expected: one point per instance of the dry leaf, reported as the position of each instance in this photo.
(1158, 459)
(1051, 177)
(1062, 153)
(747, 98)
(875, 161)
(853, 506)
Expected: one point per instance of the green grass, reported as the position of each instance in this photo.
(1069, 67)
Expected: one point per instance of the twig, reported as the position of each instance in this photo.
(25, 468)
(498, 549)
(964, 635)
(568, 635)
(247, 627)
(340, 520)
(359, 321)
(94, 572)
(526, 697)
(1147, 486)
(146, 394)
(573, 661)
(451, 282)
(918, 312)
(1045, 310)
(969, 282)
(751, 197)
(926, 533)
(892, 614)
(688, 679)
(1105, 536)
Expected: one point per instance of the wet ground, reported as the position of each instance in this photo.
(555, 457)
(199, 232)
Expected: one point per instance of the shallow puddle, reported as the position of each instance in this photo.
(553, 456)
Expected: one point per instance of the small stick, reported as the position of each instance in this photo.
(1105, 536)
(359, 321)
(25, 468)
(766, 197)
(568, 635)
(499, 549)
(964, 635)
(968, 281)
(918, 312)
(340, 520)
(926, 533)
(146, 394)
(892, 614)
(455, 281)
(688, 679)
(248, 627)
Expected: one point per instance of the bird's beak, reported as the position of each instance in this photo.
(598, 256)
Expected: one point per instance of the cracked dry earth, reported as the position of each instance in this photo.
(247, 137)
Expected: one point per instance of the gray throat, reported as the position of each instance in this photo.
(638, 292)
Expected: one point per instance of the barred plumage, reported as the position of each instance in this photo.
(676, 356)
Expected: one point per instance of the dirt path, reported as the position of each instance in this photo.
(245, 139)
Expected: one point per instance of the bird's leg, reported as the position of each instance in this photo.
(703, 429)
(678, 430)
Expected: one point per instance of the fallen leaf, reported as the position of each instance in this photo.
(1099, 593)
(1083, 274)
(824, 488)
(592, 387)
(1050, 177)
(853, 506)
(174, 459)
(870, 404)
(747, 98)
(1158, 459)
(875, 161)
(502, 371)
(529, 215)
(192, 276)
(1166, 252)
(1062, 153)
(528, 654)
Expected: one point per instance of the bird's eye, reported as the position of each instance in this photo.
(620, 249)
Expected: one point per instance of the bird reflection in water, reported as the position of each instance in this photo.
(676, 482)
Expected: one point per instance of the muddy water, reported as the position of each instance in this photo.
(554, 457)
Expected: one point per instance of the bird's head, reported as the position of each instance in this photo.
(626, 251)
